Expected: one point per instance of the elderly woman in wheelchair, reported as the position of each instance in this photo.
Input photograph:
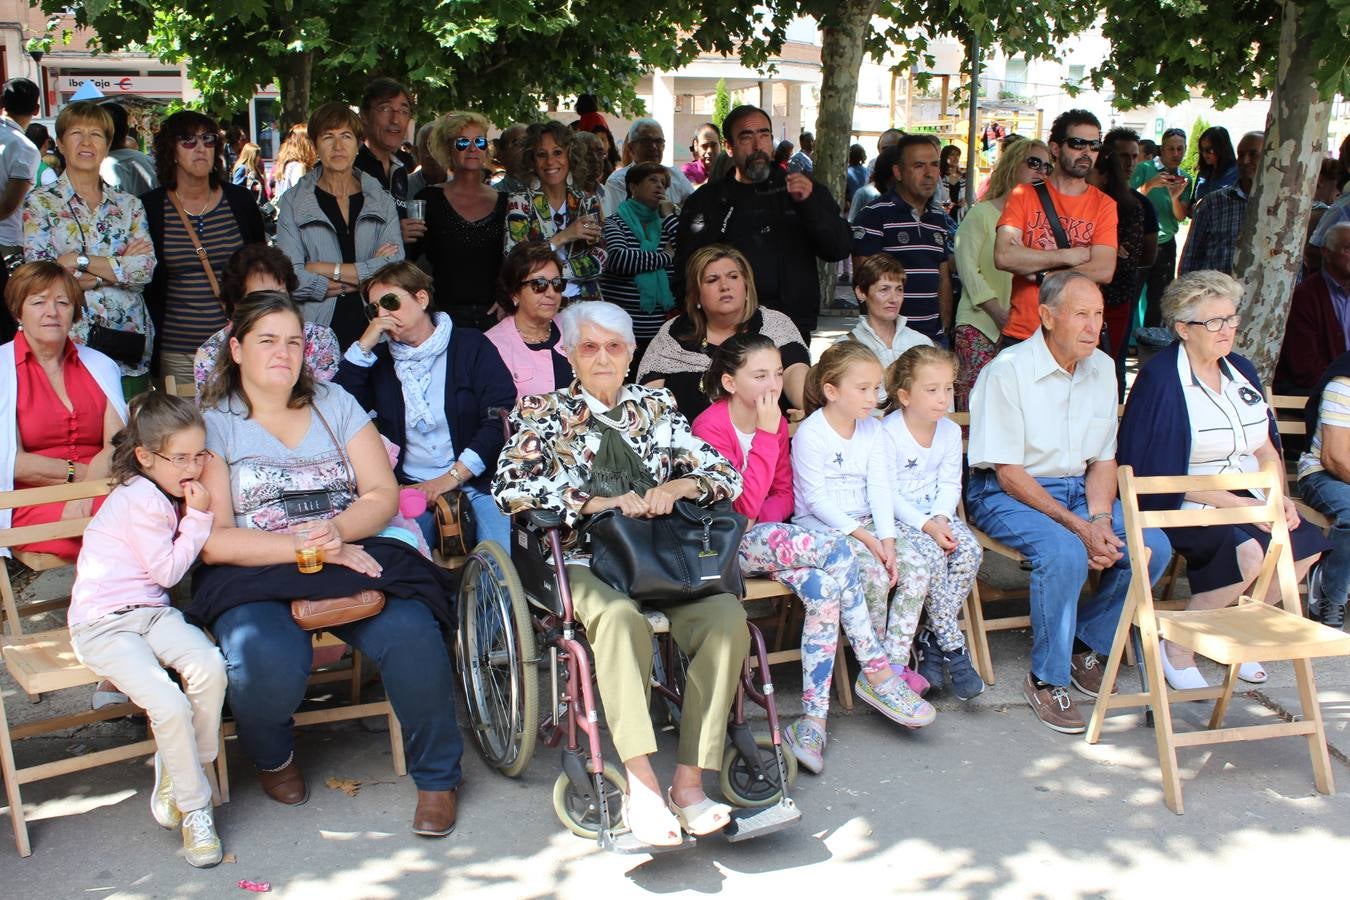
(568, 451)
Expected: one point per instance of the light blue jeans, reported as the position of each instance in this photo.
(1059, 568)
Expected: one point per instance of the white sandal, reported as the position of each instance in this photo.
(1185, 679)
(1253, 673)
(704, 817)
(653, 824)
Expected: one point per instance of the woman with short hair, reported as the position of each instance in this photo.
(223, 217)
(548, 464)
(640, 252)
(100, 236)
(530, 290)
(338, 226)
(719, 302)
(1207, 404)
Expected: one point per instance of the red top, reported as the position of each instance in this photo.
(48, 428)
(767, 473)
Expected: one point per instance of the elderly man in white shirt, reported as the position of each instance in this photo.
(1043, 481)
(646, 142)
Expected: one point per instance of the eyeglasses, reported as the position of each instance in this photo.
(181, 462)
(1077, 143)
(388, 301)
(462, 143)
(588, 349)
(1036, 164)
(208, 139)
(1218, 323)
(654, 141)
(539, 285)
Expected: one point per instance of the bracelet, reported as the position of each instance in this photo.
(70, 471)
(1101, 515)
(337, 271)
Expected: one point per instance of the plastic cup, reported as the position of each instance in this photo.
(308, 559)
(417, 209)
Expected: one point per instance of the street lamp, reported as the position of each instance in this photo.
(42, 82)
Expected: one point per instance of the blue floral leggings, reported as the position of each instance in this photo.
(838, 580)
(950, 577)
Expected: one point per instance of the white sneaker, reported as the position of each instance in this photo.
(201, 844)
(162, 805)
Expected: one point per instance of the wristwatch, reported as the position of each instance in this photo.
(82, 264)
(337, 271)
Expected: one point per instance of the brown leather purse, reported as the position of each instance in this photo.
(318, 615)
(456, 528)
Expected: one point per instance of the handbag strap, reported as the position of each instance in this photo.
(342, 451)
(1048, 204)
(197, 246)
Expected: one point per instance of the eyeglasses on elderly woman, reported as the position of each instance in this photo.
(1218, 323)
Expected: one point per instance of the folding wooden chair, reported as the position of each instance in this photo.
(1251, 630)
(186, 389)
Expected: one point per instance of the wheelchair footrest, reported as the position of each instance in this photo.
(625, 842)
(752, 823)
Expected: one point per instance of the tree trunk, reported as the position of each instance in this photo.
(841, 53)
(1274, 229)
(293, 75)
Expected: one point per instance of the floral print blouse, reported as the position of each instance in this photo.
(547, 462)
(530, 218)
(56, 221)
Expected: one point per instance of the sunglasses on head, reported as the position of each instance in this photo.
(388, 301)
(1077, 143)
(462, 143)
(539, 285)
(1036, 164)
(208, 139)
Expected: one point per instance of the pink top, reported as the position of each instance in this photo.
(532, 370)
(131, 554)
(766, 470)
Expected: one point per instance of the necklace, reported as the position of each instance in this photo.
(533, 337)
(195, 215)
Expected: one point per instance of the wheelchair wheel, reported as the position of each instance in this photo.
(741, 786)
(581, 816)
(496, 656)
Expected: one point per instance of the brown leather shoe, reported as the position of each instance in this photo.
(1087, 671)
(435, 813)
(286, 785)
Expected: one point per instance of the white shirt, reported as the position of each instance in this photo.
(926, 480)
(614, 191)
(18, 161)
(1228, 426)
(1026, 410)
(1333, 413)
(837, 480)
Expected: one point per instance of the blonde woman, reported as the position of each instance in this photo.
(986, 289)
(296, 157)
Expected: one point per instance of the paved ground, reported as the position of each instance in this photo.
(984, 803)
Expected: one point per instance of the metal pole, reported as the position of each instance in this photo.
(973, 154)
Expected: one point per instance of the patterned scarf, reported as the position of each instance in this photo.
(413, 367)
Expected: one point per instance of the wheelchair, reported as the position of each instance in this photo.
(514, 605)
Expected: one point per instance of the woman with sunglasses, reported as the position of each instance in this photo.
(985, 289)
(184, 301)
(1209, 403)
(434, 390)
(555, 208)
(99, 235)
(338, 226)
(1218, 163)
(531, 288)
(466, 222)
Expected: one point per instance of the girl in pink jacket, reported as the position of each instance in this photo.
(744, 381)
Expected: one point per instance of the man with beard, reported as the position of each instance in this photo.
(905, 225)
(1025, 244)
(781, 221)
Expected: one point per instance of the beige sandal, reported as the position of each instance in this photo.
(704, 817)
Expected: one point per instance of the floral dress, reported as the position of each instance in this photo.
(56, 221)
(530, 218)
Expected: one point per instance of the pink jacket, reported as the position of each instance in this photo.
(131, 555)
(532, 370)
(767, 495)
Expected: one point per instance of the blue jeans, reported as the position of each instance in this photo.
(1330, 496)
(1059, 568)
(268, 658)
(493, 524)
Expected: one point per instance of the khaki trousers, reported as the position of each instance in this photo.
(179, 365)
(713, 633)
(131, 649)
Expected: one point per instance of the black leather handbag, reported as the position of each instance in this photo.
(690, 553)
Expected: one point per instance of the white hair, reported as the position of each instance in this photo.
(1181, 301)
(1337, 236)
(598, 313)
(639, 124)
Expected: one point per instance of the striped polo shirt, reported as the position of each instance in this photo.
(920, 244)
(191, 312)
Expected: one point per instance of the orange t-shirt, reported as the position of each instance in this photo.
(1088, 219)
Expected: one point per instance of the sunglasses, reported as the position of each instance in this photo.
(208, 139)
(388, 301)
(539, 285)
(463, 143)
(1036, 164)
(1077, 143)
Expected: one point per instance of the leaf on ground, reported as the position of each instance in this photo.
(229, 858)
(348, 786)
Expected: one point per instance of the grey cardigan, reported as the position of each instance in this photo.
(305, 235)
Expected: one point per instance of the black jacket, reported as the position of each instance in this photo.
(477, 384)
(246, 215)
(781, 238)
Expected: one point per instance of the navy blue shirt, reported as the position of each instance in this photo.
(920, 243)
